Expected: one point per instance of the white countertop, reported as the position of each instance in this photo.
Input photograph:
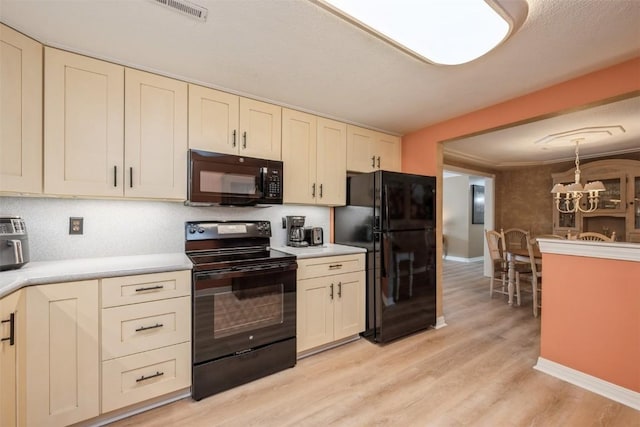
(328, 249)
(39, 273)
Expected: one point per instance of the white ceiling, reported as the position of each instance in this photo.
(297, 54)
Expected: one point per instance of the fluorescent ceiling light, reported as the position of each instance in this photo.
(445, 32)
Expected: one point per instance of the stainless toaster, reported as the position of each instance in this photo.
(14, 243)
(313, 236)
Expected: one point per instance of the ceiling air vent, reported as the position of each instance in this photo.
(185, 7)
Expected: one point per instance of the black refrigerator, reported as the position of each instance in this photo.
(392, 215)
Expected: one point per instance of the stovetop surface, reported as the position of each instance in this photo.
(212, 260)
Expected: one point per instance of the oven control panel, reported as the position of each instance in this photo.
(205, 230)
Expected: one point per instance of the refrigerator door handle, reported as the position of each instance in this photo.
(386, 206)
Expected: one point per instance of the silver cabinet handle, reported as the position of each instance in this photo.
(244, 139)
(378, 162)
(146, 328)
(12, 329)
(234, 137)
(339, 289)
(331, 294)
(320, 190)
(313, 190)
(150, 288)
(142, 378)
(373, 161)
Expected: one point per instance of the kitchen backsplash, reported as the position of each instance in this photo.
(128, 227)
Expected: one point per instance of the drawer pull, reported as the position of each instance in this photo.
(143, 378)
(150, 288)
(146, 328)
(12, 327)
(335, 266)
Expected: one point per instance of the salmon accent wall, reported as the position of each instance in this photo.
(417, 147)
(422, 150)
(591, 317)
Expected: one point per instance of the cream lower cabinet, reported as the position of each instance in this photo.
(21, 118)
(62, 383)
(314, 156)
(146, 337)
(12, 316)
(225, 123)
(330, 300)
(368, 150)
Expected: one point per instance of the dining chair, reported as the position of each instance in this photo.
(515, 238)
(535, 274)
(499, 268)
(597, 237)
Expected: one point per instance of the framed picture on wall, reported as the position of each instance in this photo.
(477, 204)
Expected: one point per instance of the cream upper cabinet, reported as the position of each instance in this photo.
(389, 152)
(63, 353)
(20, 113)
(368, 150)
(331, 172)
(360, 152)
(155, 137)
(314, 156)
(225, 123)
(299, 141)
(260, 129)
(108, 133)
(214, 120)
(12, 317)
(83, 125)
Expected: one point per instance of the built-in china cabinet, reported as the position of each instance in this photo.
(619, 206)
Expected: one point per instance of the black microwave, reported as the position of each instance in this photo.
(226, 179)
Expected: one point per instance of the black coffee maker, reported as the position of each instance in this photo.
(295, 231)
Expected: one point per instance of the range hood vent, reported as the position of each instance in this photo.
(185, 8)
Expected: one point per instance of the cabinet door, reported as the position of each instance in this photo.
(213, 120)
(299, 133)
(155, 136)
(360, 149)
(349, 305)
(315, 312)
(21, 118)
(11, 314)
(389, 149)
(331, 173)
(63, 352)
(83, 125)
(260, 129)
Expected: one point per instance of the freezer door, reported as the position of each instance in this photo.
(405, 287)
(407, 201)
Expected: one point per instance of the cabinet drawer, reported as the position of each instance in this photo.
(325, 266)
(132, 379)
(145, 287)
(136, 328)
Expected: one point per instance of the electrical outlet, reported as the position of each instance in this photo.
(76, 225)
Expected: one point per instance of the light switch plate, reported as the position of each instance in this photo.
(76, 225)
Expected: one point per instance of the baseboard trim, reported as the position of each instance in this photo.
(604, 388)
(460, 259)
(440, 323)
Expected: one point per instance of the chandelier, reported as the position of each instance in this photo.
(568, 197)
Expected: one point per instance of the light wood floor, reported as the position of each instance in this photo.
(476, 371)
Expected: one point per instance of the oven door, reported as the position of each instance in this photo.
(236, 311)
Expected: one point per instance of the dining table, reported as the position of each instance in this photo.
(517, 254)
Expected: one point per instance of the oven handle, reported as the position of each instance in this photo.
(226, 273)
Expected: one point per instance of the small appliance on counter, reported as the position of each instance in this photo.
(313, 236)
(295, 231)
(14, 243)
